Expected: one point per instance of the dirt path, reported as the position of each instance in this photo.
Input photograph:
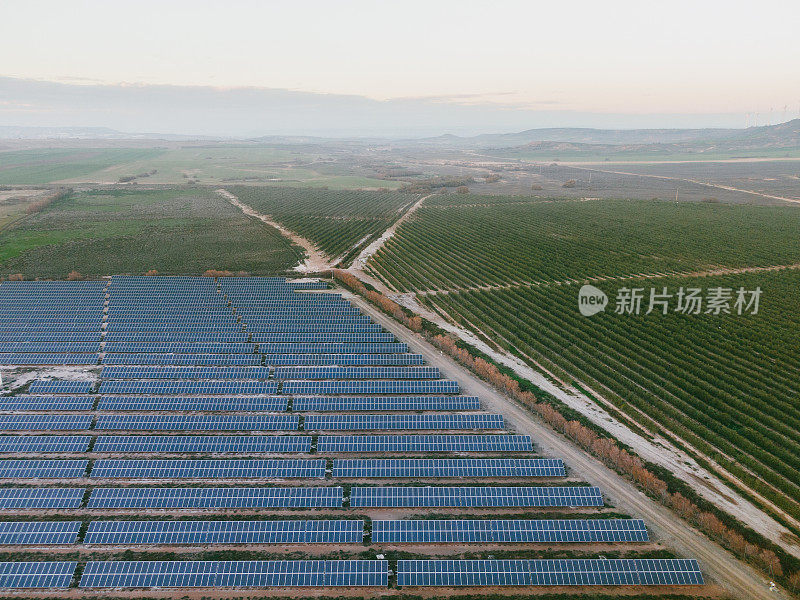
(366, 253)
(695, 181)
(737, 578)
(315, 261)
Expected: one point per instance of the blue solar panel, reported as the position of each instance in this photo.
(152, 387)
(448, 467)
(177, 337)
(217, 574)
(48, 359)
(571, 572)
(331, 348)
(32, 498)
(377, 403)
(370, 387)
(223, 532)
(24, 422)
(374, 422)
(199, 422)
(193, 348)
(50, 336)
(217, 498)
(334, 372)
(30, 575)
(205, 373)
(424, 443)
(49, 347)
(202, 443)
(61, 387)
(207, 469)
(61, 403)
(322, 338)
(194, 403)
(44, 443)
(25, 533)
(295, 327)
(42, 469)
(183, 359)
(515, 531)
(475, 496)
(344, 359)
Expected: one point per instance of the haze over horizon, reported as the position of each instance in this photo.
(356, 68)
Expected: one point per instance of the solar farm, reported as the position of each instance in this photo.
(269, 422)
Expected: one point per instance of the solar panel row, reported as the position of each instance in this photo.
(223, 532)
(153, 387)
(372, 422)
(198, 422)
(570, 572)
(306, 573)
(207, 469)
(29, 575)
(217, 498)
(475, 496)
(195, 403)
(27, 422)
(378, 403)
(448, 467)
(370, 387)
(202, 443)
(425, 443)
(509, 531)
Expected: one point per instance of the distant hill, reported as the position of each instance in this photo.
(784, 135)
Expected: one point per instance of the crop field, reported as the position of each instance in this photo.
(25, 167)
(172, 163)
(127, 231)
(457, 241)
(334, 221)
(512, 269)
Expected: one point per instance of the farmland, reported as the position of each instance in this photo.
(510, 269)
(471, 241)
(127, 231)
(334, 221)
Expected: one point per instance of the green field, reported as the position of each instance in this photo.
(26, 167)
(456, 241)
(333, 220)
(124, 231)
(727, 384)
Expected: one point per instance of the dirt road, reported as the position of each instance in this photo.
(737, 578)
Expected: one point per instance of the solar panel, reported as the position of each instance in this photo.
(331, 348)
(62, 403)
(425, 443)
(378, 403)
(25, 533)
(518, 531)
(42, 469)
(183, 359)
(572, 572)
(322, 338)
(194, 403)
(343, 359)
(32, 498)
(207, 469)
(153, 387)
(199, 422)
(217, 498)
(29, 575)
(299, 327)
(202, 443)
(370, 387)
(177, 337)
(48, 359)
(61, 387)
(475, 496)
(193, 348)
(23, 422)
(50, 336)
(373, 422)
(44, 443)
(209, 373)
(217, 574)
(334, 372)
(448, 467)
(224, 532)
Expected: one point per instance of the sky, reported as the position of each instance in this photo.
(730, 61)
